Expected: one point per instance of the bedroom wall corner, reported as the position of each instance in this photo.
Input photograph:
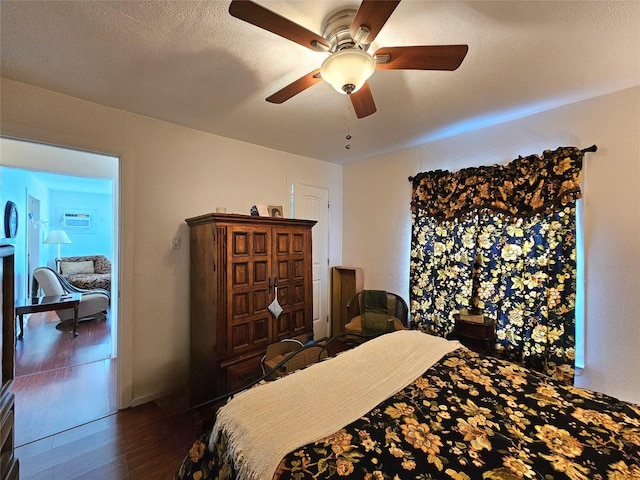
(377, 219)
(611, 217)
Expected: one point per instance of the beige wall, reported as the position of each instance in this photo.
(611, 218)
(168, 173)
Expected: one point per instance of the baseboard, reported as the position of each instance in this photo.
(151, 398)
(175, 397)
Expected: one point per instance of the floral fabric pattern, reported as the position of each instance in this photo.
(501, 239)
(526, 186)
(468, 417)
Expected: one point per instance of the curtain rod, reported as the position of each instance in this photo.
(593, 148)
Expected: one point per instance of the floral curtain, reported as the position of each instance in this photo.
(501, 239)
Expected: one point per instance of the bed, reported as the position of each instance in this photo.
(463, 416)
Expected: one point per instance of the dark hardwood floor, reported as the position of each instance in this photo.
(145, 442)
(62, 381)
(67, 426)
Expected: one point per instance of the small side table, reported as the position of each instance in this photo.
(479, 337)
(47, 304)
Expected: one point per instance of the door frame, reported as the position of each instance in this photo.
(121, 334)
(33, 233)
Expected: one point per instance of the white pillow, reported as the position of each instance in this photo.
(69, 268)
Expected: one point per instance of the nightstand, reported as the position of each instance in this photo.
(479, 337)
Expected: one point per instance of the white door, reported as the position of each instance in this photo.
(312, 203)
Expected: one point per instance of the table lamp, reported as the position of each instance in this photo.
(59, 237)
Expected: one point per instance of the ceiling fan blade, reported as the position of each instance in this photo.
(266, 19)
(373, 14)
(295, 88)
(436, 57)
(362, 102)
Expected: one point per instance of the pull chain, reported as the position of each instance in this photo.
(348, 136)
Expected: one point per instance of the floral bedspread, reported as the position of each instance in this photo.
(469, 417)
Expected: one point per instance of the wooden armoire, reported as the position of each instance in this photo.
(8, 463)
(238, 262)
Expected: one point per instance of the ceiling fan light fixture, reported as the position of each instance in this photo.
(347, 70)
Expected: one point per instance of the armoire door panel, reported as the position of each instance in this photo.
(298, 321)
(298, 294)
(261, 272)
(282, 267)
(261, 333)
(261, 301)
(239, 274)
(282, 243)
(240, 244)
(250, 334)
(298, 243)
(261, 243)
(240, 304)
(240, 336)
(298, 268)
(282, 326)
(250, 302)
(283, 296)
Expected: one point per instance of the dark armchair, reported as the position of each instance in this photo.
(397, 310)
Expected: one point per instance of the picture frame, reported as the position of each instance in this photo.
(275, 211)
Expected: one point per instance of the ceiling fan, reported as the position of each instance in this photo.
(346, 37)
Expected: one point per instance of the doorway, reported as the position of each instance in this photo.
(61, 382)
(312, 203)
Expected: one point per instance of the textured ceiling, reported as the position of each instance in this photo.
(191, 63)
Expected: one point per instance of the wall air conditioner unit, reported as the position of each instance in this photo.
(76, 220)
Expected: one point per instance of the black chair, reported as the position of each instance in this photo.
(396, 306)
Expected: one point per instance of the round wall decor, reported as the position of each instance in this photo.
(10, 220)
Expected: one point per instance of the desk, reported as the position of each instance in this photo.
(47, 304)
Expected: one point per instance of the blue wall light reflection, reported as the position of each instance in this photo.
(488, 120)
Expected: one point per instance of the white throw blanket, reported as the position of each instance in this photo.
(265, 423)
